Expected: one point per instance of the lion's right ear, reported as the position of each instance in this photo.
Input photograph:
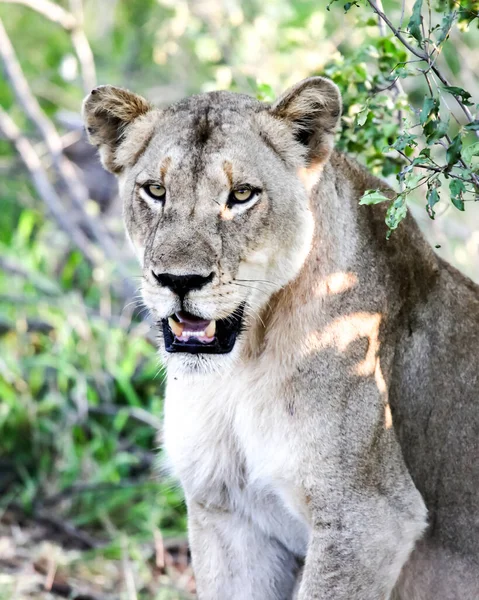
(108, 111)
(312, 108)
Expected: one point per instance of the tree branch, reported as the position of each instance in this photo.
(64, 168)
(72, 22)
(399, 36)
(44, 188)
(420, 54)
(66, 171)
(50, 10)
(48, 194)
(82, 48)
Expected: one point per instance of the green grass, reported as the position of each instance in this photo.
(81, 390)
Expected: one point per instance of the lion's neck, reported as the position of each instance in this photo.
(352, 277)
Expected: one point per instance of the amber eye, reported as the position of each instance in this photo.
(155, 191)
(242, 194)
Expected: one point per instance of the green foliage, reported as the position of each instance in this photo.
(431, 150)
(79, 392)
(367, 127)
(416, 21)
(373, 197)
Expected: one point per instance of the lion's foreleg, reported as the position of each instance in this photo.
(234, 560)
(357, 552)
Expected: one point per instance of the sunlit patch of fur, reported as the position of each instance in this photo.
(336, 283)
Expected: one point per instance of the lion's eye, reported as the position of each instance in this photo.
(155, 191)
(242, 194)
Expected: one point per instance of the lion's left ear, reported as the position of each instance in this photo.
(108, 112)
(313, 108)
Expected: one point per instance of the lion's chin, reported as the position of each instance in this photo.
(186, 364)
(191, 334)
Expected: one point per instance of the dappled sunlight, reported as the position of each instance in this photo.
(345, 330)
(310, 175)
(336, 283)
(388, 418)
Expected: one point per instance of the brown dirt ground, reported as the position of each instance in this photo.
(40, 561)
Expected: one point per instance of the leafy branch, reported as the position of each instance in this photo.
(442, 151)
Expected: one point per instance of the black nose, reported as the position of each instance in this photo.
(182, 284)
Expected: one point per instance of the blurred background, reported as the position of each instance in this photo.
(85, 508)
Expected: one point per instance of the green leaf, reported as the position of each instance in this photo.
(453, 153)
(459, 92)
(457, 189)
(473, 126)
(405, 140)
(436, 129)
(349, 5)
(458, 203)
(445, 28)
(413, 180)
(433, 198)
(362, 117)
(373, 197)
(396, 212)
(470, 151)
(264, 92)
(428, 106)
(414, 26)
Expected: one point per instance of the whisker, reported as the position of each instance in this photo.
(251, 287)
(256, 314)
(257, 281)
(137, 302)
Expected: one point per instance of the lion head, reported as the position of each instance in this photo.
(216, 204)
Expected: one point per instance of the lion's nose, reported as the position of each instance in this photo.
(182, 284)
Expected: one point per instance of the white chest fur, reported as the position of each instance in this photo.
(228, 441)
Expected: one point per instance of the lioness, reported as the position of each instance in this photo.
(323, 383)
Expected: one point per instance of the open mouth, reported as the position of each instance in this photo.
(184, 332)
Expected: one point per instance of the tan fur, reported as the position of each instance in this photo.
(349, 401)
(108, 112)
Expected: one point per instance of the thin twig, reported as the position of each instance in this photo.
(85, 58)
(82, 48)
(68, 529)
(382, 29)
(403, 10)
(65, 527)
(128, 574)
(133, 412)
(397, 33)
(396, 85)
(94, 488)
(10, 265)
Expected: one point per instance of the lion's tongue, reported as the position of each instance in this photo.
(190, 326)
(192, 323)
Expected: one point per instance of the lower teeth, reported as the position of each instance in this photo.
(184, 336)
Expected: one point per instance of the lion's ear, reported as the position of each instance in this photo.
(313, 108)
(107, 113)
